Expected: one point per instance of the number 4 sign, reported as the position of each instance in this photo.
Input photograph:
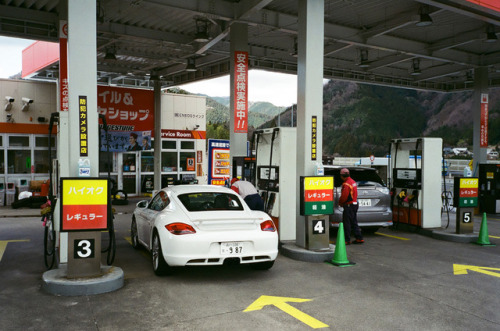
(318, 226)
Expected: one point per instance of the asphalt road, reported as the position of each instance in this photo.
(401, 281)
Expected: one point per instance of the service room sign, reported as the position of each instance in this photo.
(316, 195)
(84, 204)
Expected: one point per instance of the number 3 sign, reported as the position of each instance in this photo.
(84, 248)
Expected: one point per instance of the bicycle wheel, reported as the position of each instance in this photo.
(49, 244)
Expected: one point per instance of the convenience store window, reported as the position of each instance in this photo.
(18, 154)
(178, 156)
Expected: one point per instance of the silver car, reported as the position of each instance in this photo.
(374, 198)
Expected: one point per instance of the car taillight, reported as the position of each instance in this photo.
(180, 228)
(267, 226)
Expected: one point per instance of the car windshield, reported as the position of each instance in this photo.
(210, 201)
(363, 177)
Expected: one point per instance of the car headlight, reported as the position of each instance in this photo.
(383, 190)
(180, 228)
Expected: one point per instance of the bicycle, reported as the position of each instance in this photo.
(49, 236)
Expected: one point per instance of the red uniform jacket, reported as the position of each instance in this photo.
(349, 193)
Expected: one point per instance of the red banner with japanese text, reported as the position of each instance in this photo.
(483, 138)
(240, 92)
(63, 66)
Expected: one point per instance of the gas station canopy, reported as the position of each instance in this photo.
(420, 44)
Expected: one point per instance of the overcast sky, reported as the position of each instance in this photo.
(278, 89)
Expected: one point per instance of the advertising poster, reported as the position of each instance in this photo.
(130, 117)
(241, 92)
(219, 162)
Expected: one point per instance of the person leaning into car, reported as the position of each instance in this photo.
(248, 192)
(349, 201)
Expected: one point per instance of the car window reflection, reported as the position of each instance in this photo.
(210, 201)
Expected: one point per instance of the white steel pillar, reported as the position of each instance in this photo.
(239, 42)
(480, 87)
(157, 135)
(82, 68)
(309, 95)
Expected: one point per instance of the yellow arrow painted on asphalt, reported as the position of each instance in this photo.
(281, 303)
(460, 269)
(3, 245)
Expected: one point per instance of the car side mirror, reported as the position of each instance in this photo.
(142, 204)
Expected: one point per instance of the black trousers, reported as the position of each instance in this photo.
(350, 221)
(254, 201)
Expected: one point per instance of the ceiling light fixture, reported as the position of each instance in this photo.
(415, 67)
(363, 59)
(190, 67)
(425, 19)
(491, 35)
(201, 35)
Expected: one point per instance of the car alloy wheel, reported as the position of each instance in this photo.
(133, 234)
(160, 267)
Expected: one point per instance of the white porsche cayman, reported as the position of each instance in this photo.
(202, 225)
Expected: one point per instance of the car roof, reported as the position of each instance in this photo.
(181, 189)
(349, 167)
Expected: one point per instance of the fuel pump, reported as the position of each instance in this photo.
(244, 168)
(416, 185)
(275, 165)
(111, 249)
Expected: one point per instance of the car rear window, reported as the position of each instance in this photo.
(363, 177)
(210, 201)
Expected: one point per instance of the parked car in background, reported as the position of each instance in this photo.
(492, 155)
(203, 225)
(374, 198)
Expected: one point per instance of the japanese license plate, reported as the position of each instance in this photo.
(365, 202)
(231, 248)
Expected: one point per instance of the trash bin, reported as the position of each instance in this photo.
(22, 185)
(10, 194)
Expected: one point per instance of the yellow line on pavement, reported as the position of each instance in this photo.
(388, 235)
(494, 237)
(3, 245)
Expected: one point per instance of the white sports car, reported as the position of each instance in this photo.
(203, 225)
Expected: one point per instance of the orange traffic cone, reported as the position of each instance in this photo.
(340, 255)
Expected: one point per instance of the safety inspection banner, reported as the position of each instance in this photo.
(316, 195)
(84, 204)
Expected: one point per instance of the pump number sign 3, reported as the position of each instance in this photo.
(84, 204)
(316, 195)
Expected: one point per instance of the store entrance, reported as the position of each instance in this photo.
(130, 174)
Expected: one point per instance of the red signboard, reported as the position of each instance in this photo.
(183, 134)
(84, 204)
(469, 192)
(241, 92)
(63, 66)
(483, 138)
(491, 4)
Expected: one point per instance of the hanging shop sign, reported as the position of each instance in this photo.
(240, 92)
(130, 117)
(84, 204)
(316, 195)
(218, 162)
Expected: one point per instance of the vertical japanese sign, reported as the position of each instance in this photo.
(483, 138)
(84, 204)
(63, 66)
(82, 103)
(218, 161)
(241, 92)
(316, 195)
(314, 136)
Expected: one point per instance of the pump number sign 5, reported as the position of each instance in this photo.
(468, 191)
(316, 195)
(84, 204)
